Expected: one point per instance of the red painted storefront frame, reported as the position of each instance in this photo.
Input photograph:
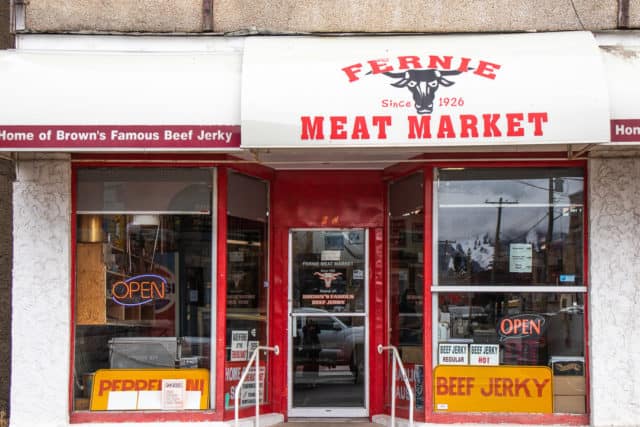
(221, 162)
(342, 199)
(282, 201)
(503, 160)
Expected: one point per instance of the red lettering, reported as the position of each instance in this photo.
(160, 292)
(312, 130)
(145, 290)
(381, 122)
(540, 386)
(141, 385)
(514, 121)
(522, 386)
(469, 384)
(404, 61)
(337, 127)
(517, 326)
(128, 385)
(105, 385)
(537, 119)
(486, 69)
(420, 129)
(452, 386)
(534, 326)
(507, 386)
(351, 71)
(464, 64)
(441, 386)
(506, 326)
(380, 66)
(195, 385)
(442, 62)
(154, 385)
(360, 130)
(489, 392)
(119, 285)
(498, 386)
(462, 389)
(117, 385)
(490, 128)
(134, 287)
(445, 130)
(468, 124)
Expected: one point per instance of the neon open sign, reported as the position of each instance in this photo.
(139, 290)
(521, 326)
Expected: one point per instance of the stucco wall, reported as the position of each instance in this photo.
(322, 16)
(413, 16)
(114, 15)
(6, 38)
(614, 211)
(6, 208)
(634, 13)
(41, 317)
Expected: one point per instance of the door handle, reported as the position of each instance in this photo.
(294, 327)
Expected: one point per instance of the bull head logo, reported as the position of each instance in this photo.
(423, 85)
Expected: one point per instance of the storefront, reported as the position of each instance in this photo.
(322, 195)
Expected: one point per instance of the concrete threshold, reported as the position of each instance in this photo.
(325, 422)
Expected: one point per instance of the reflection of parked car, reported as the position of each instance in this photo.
(339, 344)
(573, 309)
(464, 311)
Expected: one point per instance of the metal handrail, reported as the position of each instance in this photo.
(256, 376)
(398, 361)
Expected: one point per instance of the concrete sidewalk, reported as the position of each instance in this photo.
(327, 423)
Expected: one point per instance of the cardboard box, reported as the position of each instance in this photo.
(569, 386)
(569, 404)
(567, 366)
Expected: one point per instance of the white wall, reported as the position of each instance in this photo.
(41, 301)
(614, 212)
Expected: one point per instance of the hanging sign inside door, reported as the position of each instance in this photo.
(326, 284)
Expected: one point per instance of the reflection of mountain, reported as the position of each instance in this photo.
(478, 252)
(458, 256)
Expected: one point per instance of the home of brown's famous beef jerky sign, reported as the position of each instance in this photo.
(423, 91)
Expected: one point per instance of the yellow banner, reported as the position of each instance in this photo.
(141, 389)
(492, 389)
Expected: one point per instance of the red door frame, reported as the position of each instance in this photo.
(327, 199)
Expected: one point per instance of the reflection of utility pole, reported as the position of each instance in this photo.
(549, 237)
(496, 250)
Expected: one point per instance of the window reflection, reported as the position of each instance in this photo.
(247, 275)
(406, 271)
(528, 327)
(510, 226)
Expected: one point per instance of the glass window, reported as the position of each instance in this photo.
(247, 276)
(518, 346)
(143, 289)
(328, 271)
(510, 226)
(406, 270)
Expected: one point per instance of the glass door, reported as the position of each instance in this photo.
(328, 323)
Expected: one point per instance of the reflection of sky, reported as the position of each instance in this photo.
(476, 217)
